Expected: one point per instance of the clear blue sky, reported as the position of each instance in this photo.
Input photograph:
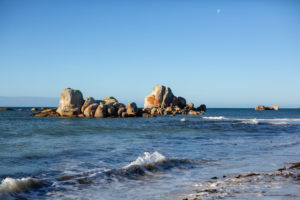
(221, 53)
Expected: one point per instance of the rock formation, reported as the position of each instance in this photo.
(160, 97)
(261, 107)
(163, 102)
(160, 102)
(70, 102)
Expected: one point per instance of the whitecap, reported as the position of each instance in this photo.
(183, 120)
(214, 117)
(147, 159)
(250, 121)
(11, 185)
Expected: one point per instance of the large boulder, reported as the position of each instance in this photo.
(202, 108)
(181, 102)
(168, 98)
(101, 111)
(121, 110)
(131, 109)
(160, 97)
(70, 102)
(191, 105)
(112, 111)
(87, 102)
(90, 110)
(155, 99)
(109, 101)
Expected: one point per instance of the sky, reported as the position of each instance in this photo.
(220, 53)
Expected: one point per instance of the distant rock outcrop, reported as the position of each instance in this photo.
(161, 102)
(261, 107)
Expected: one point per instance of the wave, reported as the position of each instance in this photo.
(10, 186)
(269, 121)
(249, 121)
(215, 117)
(144, 165)
(183, 120)
(147, 159)
(275, 121)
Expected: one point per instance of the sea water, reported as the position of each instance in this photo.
(139, 158)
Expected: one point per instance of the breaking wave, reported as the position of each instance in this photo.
(147, 160)
(214, 117)
(144, 165)
(270, 121)
(10, 186)
(276, 121)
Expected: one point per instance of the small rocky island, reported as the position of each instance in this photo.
(261, 107)
(160, 102)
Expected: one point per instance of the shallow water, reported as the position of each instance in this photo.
(81, 158)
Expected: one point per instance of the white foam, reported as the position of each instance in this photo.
(278, 123)
(183, 120)
(147, 159)
(12, 185)
(250, 121)
(214, 117)
(275, 121)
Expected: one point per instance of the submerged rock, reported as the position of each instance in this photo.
(5, 108)
(46, 113)
(194, 112)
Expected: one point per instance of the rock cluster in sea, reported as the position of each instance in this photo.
(160, 102)
(261, 107)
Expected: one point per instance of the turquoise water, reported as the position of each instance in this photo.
(139, 158)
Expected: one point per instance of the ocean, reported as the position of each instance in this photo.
(142, 158)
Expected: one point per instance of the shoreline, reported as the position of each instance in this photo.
(277, 183)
